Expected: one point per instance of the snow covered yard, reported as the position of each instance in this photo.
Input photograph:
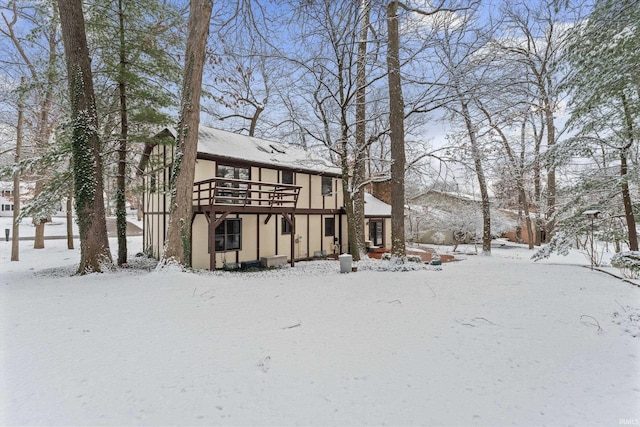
(485, 341)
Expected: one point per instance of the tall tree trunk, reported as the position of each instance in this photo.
(87, 162)
(44, 127)
(178, 245)
(537, 184)
(121, 199)
(348, 199)
(15, 232)
(482, 181)
(626, 196)
(551, 173)
(396, 125)
(361, 120)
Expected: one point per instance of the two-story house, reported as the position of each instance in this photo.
(253, 199)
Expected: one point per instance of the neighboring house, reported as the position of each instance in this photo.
(7, 196)
(252, 199)
(446, 218)
(439, 217)
(520, 232)
(6, 199)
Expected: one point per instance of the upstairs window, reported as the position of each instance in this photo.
(233, 172)
(327, 186)
(287, 177)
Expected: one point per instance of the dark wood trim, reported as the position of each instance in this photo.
(322, 231)
(241, 236)
(292, 221)
(308, 234)
(258, 236)
(264, 210)
(310, 192)
(319, 211)
(240, 162)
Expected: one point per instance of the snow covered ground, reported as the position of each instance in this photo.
(493, 341)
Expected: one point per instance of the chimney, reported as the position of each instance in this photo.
(382, 190)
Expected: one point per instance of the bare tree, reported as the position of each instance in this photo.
(516, 162)
(333, 72)
(178, 244)
(533, 39)
(459, 52)
(43, 85)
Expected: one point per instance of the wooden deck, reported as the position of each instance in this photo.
(217, 198)
(235, 195)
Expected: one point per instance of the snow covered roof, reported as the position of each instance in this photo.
(229, 145)
(450, 194)
(375, 207)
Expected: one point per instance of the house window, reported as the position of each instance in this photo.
(329, 227)
(287, 177)
(233, 172)
(236, 193)
(229, 235)
(285, 226)
(327, 184)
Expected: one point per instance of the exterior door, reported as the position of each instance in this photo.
(375, 232)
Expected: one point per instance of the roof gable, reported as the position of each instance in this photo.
(216, 143)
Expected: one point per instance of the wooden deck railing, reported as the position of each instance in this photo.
(236, 193)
